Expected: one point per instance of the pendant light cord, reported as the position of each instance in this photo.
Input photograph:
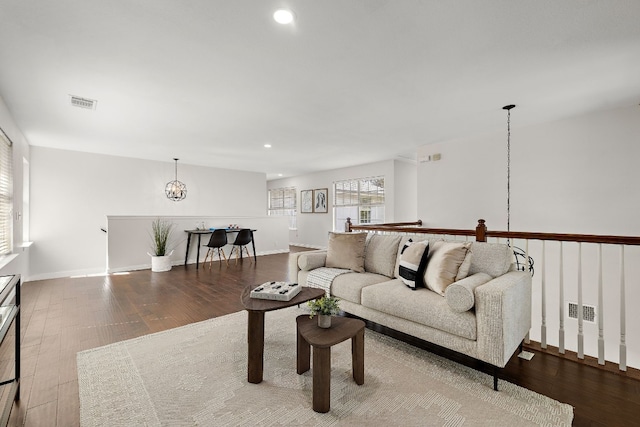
(508, 108)
(508, 171)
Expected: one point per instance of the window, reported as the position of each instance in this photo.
(282, 201)
(362, 200)
(6, 195)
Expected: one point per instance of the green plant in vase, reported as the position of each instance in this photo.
(160, 253)
(160, 233)
(324, 307)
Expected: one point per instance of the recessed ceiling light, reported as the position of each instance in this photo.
(267, 145)
(283, 16)
(279, 174)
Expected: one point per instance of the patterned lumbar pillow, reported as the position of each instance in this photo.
(413, 261)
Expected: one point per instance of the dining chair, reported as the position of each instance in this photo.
(216, 242)
(244, 237)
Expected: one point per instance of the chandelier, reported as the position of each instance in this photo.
(176, 190)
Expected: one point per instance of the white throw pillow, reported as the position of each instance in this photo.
(443, 267)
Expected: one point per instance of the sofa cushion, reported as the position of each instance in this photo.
(443, 267)
(346, 250)
(380, 254)
(412, 264)
(491, 258)
(421, 306)
(349, 286)
(460, 295)
(311, 260)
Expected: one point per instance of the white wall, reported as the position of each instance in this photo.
(400, 197)
(18, 262)
(405, 192)
(72, 193)
(129, 240)
(578, 175)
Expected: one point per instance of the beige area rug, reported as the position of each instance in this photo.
(196, 375)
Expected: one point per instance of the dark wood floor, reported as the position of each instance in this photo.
(63, 316)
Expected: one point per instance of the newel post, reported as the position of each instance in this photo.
(481, 231)
(347, 225)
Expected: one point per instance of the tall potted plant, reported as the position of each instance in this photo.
(161, 255)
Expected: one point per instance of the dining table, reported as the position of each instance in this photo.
(200, 232)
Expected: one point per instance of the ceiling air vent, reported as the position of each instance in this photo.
(78, 101)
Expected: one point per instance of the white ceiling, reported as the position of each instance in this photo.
(352, 82)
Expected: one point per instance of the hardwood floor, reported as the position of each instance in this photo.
(63, 316)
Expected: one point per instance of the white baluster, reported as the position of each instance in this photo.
(623, 325)
(561, 299)
(527, 339)
(543, 292)
(580, 309)
(600, 309)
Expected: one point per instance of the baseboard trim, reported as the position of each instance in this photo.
(590, 361)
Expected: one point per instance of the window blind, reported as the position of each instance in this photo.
(6, 195)
(361, 199)
(282, 201)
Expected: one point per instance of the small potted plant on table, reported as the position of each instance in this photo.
(324, 307)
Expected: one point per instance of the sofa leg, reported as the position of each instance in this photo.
(495, 379)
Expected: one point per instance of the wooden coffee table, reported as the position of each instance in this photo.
(255, 328)
(310, 334)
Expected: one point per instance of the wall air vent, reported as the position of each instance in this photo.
(78, 101)
(588, 312)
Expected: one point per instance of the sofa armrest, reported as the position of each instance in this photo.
(503, 315)
(305, 261)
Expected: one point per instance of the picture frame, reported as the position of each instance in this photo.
(321, 200)
(306, 201)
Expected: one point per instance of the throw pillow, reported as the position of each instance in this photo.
(445, 259)
(380, 254)
(460, 295)
(346, 250)
(413, 261)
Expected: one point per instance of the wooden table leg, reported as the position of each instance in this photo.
(357, 357)
(198, 251)
(186, 255)
(303, 354)
(255, 341)
(321, 379)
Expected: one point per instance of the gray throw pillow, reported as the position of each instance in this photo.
(380, 254)
(460, 295)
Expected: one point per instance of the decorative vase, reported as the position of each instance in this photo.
(324, 321)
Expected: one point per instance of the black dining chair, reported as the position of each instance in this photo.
(244, 237)
(216, 242)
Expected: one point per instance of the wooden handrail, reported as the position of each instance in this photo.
(481, 232)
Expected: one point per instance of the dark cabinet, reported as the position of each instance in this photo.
(10, 315)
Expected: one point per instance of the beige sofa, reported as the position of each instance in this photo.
(485, 315)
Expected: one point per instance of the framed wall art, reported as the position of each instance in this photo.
(320, 200)
(306, 201)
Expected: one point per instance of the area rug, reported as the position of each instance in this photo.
(196, 375)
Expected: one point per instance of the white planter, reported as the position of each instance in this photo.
(161, 263)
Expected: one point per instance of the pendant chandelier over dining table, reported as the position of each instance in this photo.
(176, 190)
